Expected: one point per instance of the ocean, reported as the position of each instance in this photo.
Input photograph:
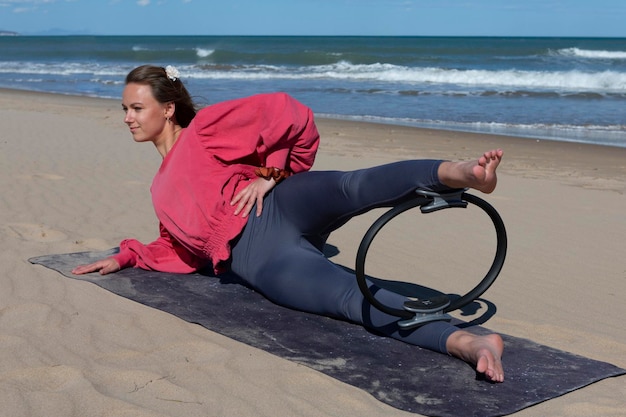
(566, 89)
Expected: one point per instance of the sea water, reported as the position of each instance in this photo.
(569, 89)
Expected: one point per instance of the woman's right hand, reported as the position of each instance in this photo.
(105, 266)
(252, 194)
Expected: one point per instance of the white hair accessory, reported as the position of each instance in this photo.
(172, 73)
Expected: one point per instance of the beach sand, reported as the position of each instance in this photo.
(72, 179)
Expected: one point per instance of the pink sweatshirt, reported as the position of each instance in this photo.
(212, 160)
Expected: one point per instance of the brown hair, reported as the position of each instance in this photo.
(165, 90)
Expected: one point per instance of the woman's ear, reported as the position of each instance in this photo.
(170, 110)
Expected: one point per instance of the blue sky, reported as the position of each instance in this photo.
(317, 17)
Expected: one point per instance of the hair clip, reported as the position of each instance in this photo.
(172, 73)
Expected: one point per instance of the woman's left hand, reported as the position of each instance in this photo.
(253, 193)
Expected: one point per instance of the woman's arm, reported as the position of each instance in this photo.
(164, 254)
(271, 130)
(265, 129)
(290, 138)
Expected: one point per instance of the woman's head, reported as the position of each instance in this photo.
(166, 88)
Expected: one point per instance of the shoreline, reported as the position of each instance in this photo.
(73, 180)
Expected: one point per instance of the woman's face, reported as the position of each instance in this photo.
(145, 116)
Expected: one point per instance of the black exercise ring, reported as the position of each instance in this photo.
(473, 294)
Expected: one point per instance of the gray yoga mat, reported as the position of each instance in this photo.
(401, 375)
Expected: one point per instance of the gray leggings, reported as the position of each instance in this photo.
(279, 253)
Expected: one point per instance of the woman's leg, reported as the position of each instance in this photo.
(319, 202)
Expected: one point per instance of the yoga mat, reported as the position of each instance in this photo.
(403, 376)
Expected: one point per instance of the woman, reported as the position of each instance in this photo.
(253, 155)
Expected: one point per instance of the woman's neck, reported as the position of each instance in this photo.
(169, 139)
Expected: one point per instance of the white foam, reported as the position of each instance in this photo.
(203, 52)
(566, 81)
(592, 54)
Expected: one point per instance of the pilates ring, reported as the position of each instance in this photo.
(432, 308)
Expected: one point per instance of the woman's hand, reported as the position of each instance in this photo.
(105, 266)
(253, 193)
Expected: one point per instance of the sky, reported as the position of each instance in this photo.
(585, 18)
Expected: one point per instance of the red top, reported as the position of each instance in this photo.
(212, 160)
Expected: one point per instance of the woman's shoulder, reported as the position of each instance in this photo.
(243, 108)
(266, 98)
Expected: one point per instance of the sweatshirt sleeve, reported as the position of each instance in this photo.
(265, 129)
(164, 254)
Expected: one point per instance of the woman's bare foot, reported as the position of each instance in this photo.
(479, 174)
(484, 352)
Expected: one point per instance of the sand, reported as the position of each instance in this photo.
(72, 180)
